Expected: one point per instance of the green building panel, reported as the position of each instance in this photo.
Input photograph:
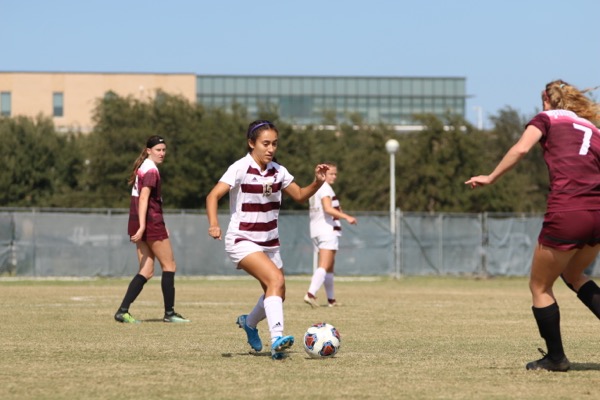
(314, 100)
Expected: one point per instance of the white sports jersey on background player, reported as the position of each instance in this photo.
(322, 223)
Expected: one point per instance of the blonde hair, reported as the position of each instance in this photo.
(562, 96)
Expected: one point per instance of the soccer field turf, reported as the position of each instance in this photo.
(411, 338)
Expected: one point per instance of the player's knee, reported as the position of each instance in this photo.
(277, 285)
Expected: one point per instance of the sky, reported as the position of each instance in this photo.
(507, 50)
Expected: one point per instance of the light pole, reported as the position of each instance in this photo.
(392, 147)
(479, 117)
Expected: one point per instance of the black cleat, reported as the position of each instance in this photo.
(547, 364)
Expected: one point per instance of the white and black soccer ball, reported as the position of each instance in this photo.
(322, 340)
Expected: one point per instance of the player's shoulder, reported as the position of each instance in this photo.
(147, 165)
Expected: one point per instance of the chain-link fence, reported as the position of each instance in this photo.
(88, 243)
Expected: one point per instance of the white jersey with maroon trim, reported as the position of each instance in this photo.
(255, 200)
(322, 223)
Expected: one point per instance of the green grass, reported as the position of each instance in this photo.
(413, 338)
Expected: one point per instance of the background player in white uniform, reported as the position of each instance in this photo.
(325, 230)
(255, 185)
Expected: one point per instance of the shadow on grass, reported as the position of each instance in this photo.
(585, 367)
(257, 354)
(250, 353)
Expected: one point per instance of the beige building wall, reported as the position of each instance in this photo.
(32, 92)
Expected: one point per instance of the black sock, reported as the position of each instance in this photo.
(167, 284)
(589, 294)
(135, 288)
(548, 321)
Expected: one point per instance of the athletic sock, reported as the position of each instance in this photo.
(133, 290)
(329, 286)
(589, 294)
(257, 314)
(548, 322)
(167, 283)
(317, 280)
(274, 312)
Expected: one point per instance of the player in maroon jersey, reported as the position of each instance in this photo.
(570, 237)
(147, 230)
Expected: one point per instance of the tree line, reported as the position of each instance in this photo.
(46, 168)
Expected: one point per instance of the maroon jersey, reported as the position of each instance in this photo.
(571, 147)
(147, 176)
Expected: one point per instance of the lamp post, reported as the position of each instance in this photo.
(479, 117)
(392, 147)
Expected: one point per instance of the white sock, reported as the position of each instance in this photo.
(317, 281)
(257, 314)
(274, 311)
(329, 286)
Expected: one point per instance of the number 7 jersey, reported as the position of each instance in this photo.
(571, 147)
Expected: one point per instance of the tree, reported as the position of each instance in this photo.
(522, 189)
(434, 163)
(40, 164)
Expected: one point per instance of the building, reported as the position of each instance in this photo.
(301, 100)
(70, 98)
(304, 100)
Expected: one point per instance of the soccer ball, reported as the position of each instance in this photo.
(322, 340)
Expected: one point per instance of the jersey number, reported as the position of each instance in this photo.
(587, 137)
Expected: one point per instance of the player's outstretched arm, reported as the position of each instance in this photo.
(528, 139)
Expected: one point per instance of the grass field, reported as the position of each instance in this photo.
(412, 338)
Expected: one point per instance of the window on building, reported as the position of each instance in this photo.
(5, 104)
(57, 104)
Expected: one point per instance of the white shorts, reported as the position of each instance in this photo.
(238, 251)
(326, 242)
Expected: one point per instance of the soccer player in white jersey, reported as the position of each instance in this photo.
(325, 230)
(255, 185)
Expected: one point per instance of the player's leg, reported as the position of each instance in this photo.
(318, 278)
(332, 245)
(587, 290)
(326, 247)
(250, 321)
(164, 253)
(329, 281)
(547, 265)
(146, 270)
(268, 271)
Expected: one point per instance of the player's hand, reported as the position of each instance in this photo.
(480, 180)
(215, 232)
(320, 171)
(351, 220)
(138, 235)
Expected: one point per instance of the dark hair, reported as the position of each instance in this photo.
(256, 127)
(150, 143)
(153, 141)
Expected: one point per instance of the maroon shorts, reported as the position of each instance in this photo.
(155, 230)
(570, 229)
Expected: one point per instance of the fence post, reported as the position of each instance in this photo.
(483, 217)
(397, 243)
